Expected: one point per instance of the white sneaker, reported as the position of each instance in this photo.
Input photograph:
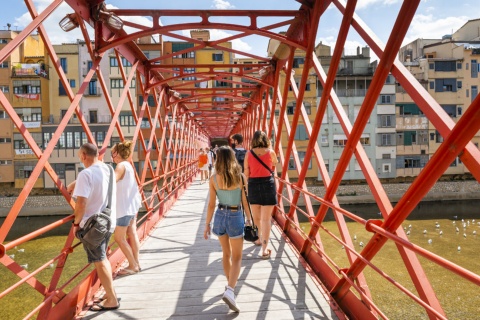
(229, 298)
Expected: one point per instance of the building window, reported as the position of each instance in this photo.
(69, 139)
(474, 70)
(29, 114)
(438, 137)
(474, 92)
(459, 65)
(116, 83)
(63, 64)
(100, 138)
(20, 144)
(113, 62)
(324, 140)
(387, 139)
(150, 100)
(126, 119)
(5, 140)
(61, 89)
(409, 110)
(301, 156)
(125, 62)
(445, 66)
(298, 61)
(386, 156)
(386, 167)
(451, 110)
(385, 99)
(26, 86)
(386, 121)
(365, 139)
(412, 163)
(217, 56)
(3, 114)
(2, 41)
(445, 85)
(291, 108)
(77, 140)
(339, 140)
(93, 116)
(431, 66)
(432, 85)
(92, 88)
(5, 89)
(4, 65)
(301, 133)
(5, 162)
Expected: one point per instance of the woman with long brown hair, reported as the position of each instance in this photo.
(259, 166)
(228, 185)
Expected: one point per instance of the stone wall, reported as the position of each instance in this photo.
(451, 190)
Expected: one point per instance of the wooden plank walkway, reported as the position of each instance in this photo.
(182, 275)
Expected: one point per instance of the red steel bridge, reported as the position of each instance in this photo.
(183, 122)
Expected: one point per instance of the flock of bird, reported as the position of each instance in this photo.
(25, 265)
(464, 224)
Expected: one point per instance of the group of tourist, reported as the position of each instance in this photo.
(91, 191)
(229, 184)
(236, 170)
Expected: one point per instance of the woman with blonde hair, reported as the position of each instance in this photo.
(259, 168)
(128, 203)
(228, 184)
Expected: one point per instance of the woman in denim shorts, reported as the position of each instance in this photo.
(227, 183)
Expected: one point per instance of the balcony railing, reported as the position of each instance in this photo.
(55, 120)
(29, 70)
(93, 92)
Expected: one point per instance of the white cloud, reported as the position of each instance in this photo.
(428, 27)
(54, 32)
(222, 5)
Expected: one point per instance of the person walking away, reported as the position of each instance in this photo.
(227, 183)
(128, 203)
(91, 191)
(203, 165)
(210, 161)
(259, 164)
(239, 150)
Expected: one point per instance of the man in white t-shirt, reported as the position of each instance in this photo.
(91, 190)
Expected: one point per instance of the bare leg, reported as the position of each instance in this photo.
(237, 250)
(104, 271)
(227, 254)
(266, 226)
(133, 241)
(120, 239)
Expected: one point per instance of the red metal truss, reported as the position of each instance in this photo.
(185, 116)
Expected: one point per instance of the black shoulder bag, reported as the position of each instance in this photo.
(97, 227)
(263, 163)
(250, 231)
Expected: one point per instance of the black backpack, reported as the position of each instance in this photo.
(240, 156)
(214, 155)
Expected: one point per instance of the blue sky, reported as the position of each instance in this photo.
(433, 19)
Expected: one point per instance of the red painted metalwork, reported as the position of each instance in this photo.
(184, 117)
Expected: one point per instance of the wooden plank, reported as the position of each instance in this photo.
(182, 275)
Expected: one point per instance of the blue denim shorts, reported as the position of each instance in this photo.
(228, 222)
(124, 221)
(97, 254)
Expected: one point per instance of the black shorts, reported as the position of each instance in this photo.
(262, 191)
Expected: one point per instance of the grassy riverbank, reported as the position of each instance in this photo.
(458, 297)
(35, 253)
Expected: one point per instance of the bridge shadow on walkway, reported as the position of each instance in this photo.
(182, 275)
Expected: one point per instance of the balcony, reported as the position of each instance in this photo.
(29, 70)
(93, 92)
(85, 71)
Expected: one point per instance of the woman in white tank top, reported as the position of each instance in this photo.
(128, 203)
